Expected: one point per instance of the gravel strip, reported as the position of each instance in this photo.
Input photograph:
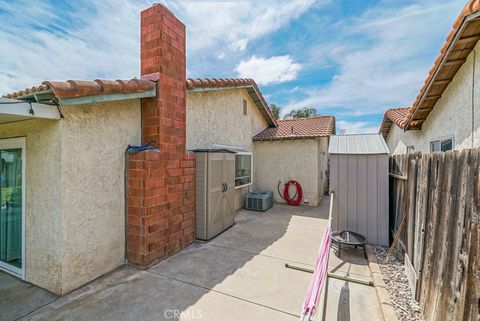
(397, 285)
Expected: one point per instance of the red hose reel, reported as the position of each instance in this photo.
(297, 197)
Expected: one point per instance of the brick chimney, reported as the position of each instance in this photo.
(161, 183)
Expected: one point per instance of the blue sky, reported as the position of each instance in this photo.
(351, 58)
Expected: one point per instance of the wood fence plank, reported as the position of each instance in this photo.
(428, 275)
(454, 231)
(468, 289)
(404, 212)
(453, 173)
(412, 186)
(423, 171)
(442, 234)
(442, 202)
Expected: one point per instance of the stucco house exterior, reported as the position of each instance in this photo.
(73, 172)
(227, 113)
(445, 114)
(77, 201)
(75, 204)
(297, 149)
(232, 113)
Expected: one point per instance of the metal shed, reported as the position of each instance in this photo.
(359, 178)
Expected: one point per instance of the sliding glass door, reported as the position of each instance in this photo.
(12, 205)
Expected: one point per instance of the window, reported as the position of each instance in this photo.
(244, 107)
(243, 169)
(441, 145)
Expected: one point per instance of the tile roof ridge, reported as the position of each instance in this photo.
(306, 118)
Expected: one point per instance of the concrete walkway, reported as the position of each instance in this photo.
(18, 298)
(240, 275)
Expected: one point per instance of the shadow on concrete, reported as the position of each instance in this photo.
(239, 275)
(18, 298)
(343, 311)
(350, 254)
(224, 279)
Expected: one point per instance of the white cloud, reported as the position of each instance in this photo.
(382, 57)
(105, 44)
(100, 39)
(234, 24)
(267, 71)
(358, 127)
(239, 45)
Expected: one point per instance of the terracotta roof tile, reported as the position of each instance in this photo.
(81, 88)
(217, 83)
(397, 116)
(318, 126)
(434, 84)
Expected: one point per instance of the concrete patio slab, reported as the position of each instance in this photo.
(18, 298)
(240, 275)
(280, 232)
(260, 279)
(348, 301)
(131, 295)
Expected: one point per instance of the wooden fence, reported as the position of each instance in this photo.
(438, 195)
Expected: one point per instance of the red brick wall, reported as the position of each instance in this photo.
(161, 184)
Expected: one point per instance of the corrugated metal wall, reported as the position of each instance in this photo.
(360, 183)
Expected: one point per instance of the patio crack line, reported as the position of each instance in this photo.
(334, 269)
(255, 253)
(223, 293)
(31, 313)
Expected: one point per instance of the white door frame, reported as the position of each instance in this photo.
(11, 143)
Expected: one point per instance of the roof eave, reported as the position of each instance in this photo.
(106, 98)
(48, 97)
(458, 34)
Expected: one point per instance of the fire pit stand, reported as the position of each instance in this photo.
(348, 238)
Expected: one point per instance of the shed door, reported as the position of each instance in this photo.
(215, 191)
(229, 195)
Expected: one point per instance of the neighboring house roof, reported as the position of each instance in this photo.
(358, 144)
(72, 91)
(311, 127)
(459, 43)
(202, 84)
(397, 116)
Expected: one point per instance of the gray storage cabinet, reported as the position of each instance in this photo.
(215, 192)
(359, 177)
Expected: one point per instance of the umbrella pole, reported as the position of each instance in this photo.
(330, 275)
(325, 297)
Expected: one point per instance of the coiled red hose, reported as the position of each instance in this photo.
(297, 197)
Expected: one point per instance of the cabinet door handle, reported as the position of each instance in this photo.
(226, 187)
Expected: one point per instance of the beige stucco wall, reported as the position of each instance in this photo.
(43, 219)
(74, 226)
(301, 160)
(94, 139)
(216, 118)
(451, 117)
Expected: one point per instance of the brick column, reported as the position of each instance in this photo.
(161, 184)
